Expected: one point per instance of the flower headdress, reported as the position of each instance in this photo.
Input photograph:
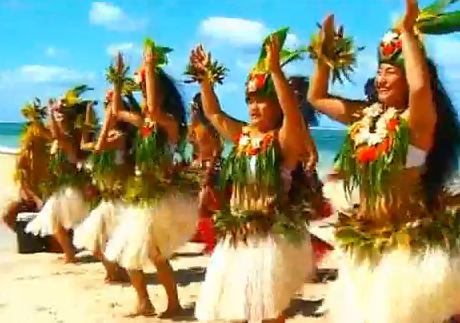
(431, 20)
(259, 80)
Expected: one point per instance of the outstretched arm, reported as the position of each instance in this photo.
(422, 110)
(227, 126)
(86, 143)
(339, 109)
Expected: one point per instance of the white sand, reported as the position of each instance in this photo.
(40, 288)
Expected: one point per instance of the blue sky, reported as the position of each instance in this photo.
(53, 44)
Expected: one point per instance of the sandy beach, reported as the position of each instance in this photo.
(41, 288)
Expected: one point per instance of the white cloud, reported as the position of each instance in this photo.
(50, 51)
(43, 74)
(124, 48)
(114, 18)
(238, 32)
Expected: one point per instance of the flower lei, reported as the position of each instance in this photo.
(375, 147)
(252, 146)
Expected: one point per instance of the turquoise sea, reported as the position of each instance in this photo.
(328, 142)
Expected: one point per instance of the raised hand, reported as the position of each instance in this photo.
(272, 60)
(149, 56)
(411, 15)
(327, 33)
(199, 58)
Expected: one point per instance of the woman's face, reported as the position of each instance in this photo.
(264, 113)
(391, 86)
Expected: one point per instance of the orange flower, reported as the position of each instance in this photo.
(384, 146)
(259, 79)
(236, 140)
(266, 141)
(392, 124)
(252, 151)
(366, 155)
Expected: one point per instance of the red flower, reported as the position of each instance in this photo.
(320, 248)
(260, 80)
(366, 155)
(398, 44)
(326, 209)
(388, 49)
(236, 140)
(252, 151)
(392, 124)
(146, 131)
(207, 233)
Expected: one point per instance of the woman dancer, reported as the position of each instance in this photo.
(32, 164)
(110, 166)
(208, 145)
(161, 214)
(263, 254)
(66, 206)
(400, 261)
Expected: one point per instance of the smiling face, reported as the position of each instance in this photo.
(264, 113)
(391, 86)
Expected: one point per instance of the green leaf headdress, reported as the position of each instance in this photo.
(161, 55)
(259, 80)
(33, 111)
(432, 20)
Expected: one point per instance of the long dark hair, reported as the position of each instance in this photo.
(300, 85)
(442, 160)
(172, 101)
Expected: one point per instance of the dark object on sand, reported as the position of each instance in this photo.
(27, 242)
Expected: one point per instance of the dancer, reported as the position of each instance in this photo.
(263, 254)
(208, 146)
(161, 214)
(110, 166)
(66, 206)
(32, 164)
(399, 250)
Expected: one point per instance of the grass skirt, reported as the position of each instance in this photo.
(66, 208)
(401, 288)
(167, 225)
(253, 281)
(92, 234)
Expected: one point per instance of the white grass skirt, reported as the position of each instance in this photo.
(92, 234)
(334, 191)
(167, 225)
(66, 208)
(401, 288)
(253, 281)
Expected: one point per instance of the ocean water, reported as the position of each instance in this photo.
(328, 142)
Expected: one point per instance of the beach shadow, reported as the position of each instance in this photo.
(187, 255)
(188, 315)
(325, 275)
(87, 259)
(184, 277)
(304, 307)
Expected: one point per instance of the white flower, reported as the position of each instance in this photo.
(389, 37)
(390, 113)
(362, 136)
(137, 78)
(137, 171)
(93, 181)
(380, 125)
(79, 165)
(373, 111)
(244, 140)
(252, 86)
(374, 139)
(89, 166)
(256, 142)
(149, 122)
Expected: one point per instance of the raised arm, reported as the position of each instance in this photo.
(422, 110)
(117, 105)
(227, 126)
(293, 130)
(154, 111)
(86, 143)
(64, 141)
(336, 108)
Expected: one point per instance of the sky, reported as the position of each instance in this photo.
(52, 45)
